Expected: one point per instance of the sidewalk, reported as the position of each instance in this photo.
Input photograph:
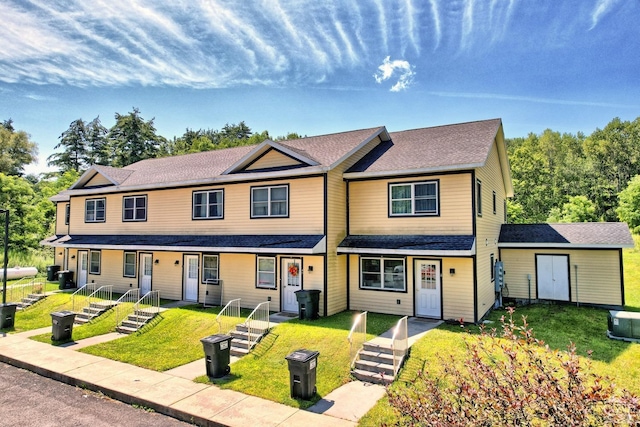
(175, 394)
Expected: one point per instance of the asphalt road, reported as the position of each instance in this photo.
(27, 399)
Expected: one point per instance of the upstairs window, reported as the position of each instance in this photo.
(94, 210)
(479, 197)
(413, 198)
(270, 201)
(67, 213)
(134, 208)
(208, 204)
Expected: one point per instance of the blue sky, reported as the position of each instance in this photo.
(316, 67)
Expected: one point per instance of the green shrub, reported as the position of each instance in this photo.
(514, 379)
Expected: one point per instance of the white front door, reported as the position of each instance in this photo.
(553, 277)
(191, 278)
(146, 270)
(291, 282)
(428, 289)
(83, 266)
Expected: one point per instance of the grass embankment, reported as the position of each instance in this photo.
(557, 325)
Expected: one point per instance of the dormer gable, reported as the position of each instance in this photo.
(270, 156)
(101, 176)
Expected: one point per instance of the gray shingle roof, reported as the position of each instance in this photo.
(237, 243)
(434, 148)
(583, 234)
(407, 243)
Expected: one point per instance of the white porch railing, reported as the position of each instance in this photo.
(228, 316)
(79, 296)
(124, 305)
(357, 336)
(400, 343)
(257, 322)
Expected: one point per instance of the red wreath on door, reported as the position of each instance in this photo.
(293, 270)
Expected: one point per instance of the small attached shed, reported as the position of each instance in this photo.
(577, 262)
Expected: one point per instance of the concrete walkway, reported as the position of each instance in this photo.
(175, 394)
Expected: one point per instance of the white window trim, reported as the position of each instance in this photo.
(207, 204)
(478, 197)
(436, 212)
(217, 257)
(91, 271)
(94, 210)
(269, 201)
(382, 288)
(134, 209)
(258, 271)
(124, 264)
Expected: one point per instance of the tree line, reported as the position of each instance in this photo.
(557, 177)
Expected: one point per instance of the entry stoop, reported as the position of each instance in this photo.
(94, 310)
(375, 364)
(243, 341)
(136, 321)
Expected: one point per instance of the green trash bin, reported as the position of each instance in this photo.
(62, 325)
(217, 354)
(308, 304)
(7, 315)
(52, 273)
(302, 373)
(65, 279)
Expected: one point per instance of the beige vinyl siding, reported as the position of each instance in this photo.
(273, 159)
(98, 180)
(488, 228)
(312, 279)
(337, 230)
(378, 301)
(457, 289)
(238, 271)
(111, 272)
(369, 207)
(61, 227)
(598, 280)
(170, 211)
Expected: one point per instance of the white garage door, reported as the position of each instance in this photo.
(553, 277)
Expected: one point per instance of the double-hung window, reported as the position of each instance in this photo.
(134, 208)
(413, 198)
(208, 204)
(266, 274)
(67, 213)
(382, 273)
(479, 197)
(270, 201)
(94, 210)
(210, 269)
(94, 262)
(129, 264)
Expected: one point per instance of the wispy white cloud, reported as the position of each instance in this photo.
(474, 95)
(401, 71)
(601, 8)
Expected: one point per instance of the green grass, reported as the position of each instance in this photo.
(39, 315)
(264, 372)
(173, 339)
(557, 325)
(102, 325)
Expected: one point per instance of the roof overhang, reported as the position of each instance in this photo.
(409, 245)
(390, 173)
(255, 244)
(562, 246)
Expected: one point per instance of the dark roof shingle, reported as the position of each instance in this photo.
(585, 234)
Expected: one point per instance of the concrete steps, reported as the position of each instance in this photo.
(374, 364)
(94, 310)
(240, 342)
(135, 321)
(29, 300)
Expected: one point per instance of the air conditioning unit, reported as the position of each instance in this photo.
(623, 325)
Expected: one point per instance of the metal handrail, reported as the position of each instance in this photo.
(229, 315)
(400, 343)
(83, 292)
(148, 304)
(357, 336)
(122, 308)
(100, 296)
(17, 291)
(256, 321)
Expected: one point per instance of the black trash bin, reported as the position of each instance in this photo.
(216, 351)
(62, 325)
(308, 304)
(7, 315)
(65, 279)
(52, 273)
(302, 373)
